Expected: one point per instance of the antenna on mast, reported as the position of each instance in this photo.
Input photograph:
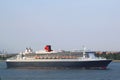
(84, 53)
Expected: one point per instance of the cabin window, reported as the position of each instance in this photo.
(91, 55)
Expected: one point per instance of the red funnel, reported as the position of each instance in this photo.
(48, 48)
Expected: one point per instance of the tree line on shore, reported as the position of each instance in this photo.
(5, 56)
(113, 56)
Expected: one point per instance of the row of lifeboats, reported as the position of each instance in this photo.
(55, 57)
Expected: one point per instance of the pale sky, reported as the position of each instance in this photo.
(64, 24)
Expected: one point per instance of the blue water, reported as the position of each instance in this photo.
(113, 73)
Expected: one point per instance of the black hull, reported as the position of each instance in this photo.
(60, 64)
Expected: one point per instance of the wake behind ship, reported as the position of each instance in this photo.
(48, 58)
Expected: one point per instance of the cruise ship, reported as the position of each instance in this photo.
(49, 58)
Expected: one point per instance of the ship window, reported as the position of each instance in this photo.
(91, 55)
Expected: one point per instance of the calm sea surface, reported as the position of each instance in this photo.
(113, 73)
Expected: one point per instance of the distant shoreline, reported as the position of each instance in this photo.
(116, 61)
(2, 60)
